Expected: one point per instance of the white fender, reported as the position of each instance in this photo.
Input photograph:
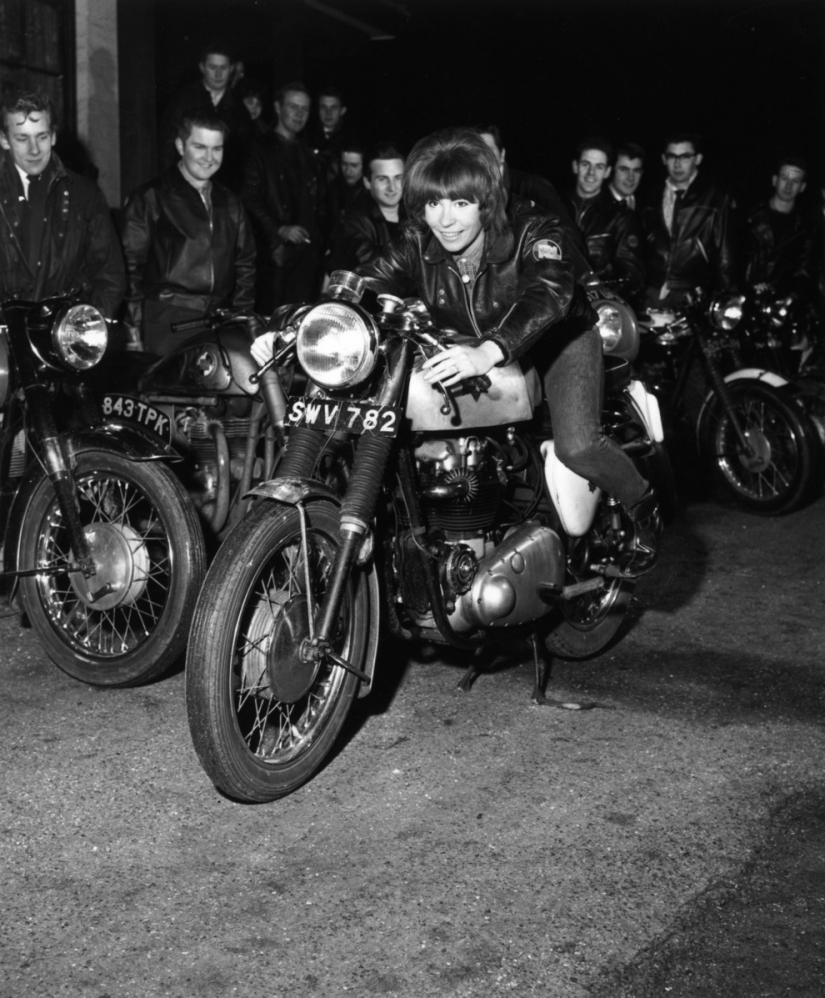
(574, 497)
(758, 374)
(648, 406)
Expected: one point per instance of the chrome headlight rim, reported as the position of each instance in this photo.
(79, 336)
(337, 329)
(726, 311)
(617, 327)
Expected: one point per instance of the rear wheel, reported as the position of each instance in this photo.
(782, 468)
(264, 713)
(584, 625)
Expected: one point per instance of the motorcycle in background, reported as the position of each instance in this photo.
(226, 423)
(457, 524)
(745, 423)
(99, 538)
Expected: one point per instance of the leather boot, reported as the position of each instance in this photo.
(642, 550)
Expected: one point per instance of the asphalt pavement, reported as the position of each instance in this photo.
(668, 843)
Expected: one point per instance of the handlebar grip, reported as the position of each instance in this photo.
(180, 327)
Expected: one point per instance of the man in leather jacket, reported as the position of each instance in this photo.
(56, 233)
(283, 194)
(212, 94)
(781, 237)
(610, 229)
(688, 229)
(376, 218)
(188, 244)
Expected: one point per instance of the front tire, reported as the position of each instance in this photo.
(785, 469)
(262, 718)
(148, 548)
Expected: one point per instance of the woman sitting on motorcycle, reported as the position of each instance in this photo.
(502, 277)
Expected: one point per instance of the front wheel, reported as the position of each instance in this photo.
(781, 468)
(264, 712)
(129, 622)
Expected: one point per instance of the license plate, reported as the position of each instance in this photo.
(354, 417)
(138, 411)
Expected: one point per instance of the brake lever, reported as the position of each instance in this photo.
(272, 362)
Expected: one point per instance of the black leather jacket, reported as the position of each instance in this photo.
(80, 247)
(542, 193)
(282, 186)
(781, 250)
(699, 252)
(360, 235)
(613, 237)
(176, 254)
(521, 289)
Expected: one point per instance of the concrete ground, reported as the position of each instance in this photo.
(455, 844)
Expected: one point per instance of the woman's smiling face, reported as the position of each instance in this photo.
(456, 224)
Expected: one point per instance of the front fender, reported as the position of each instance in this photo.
(758, 374)
(291, 491)
(125, 438)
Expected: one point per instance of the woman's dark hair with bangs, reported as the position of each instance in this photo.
(455, 163)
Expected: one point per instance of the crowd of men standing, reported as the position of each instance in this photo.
(250, 216)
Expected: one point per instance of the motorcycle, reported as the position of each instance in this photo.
(744, 423)
(226, 423)
(778, 331)
(99, 539)
(779, 334)
(458, 525)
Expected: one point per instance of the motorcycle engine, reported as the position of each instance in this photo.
(488, 579)
(462, 484)
(196, 433)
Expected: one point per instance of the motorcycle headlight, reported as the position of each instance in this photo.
(79, 337)
(618, 329)
(726, 311)
(337, 344)
(778, 312)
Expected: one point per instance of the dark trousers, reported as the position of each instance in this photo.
(573, 374)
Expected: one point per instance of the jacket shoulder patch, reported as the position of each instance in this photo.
(546, 249)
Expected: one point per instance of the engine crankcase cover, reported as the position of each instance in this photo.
(505, 591)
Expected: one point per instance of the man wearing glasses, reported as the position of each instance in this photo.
(688, 229)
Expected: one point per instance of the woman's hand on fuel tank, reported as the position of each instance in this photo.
(460, 361)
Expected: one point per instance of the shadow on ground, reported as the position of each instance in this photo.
(762, 934)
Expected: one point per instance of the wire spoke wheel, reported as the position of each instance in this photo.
(584, 625)
(127, 622)
(264, 708)
(780, 468)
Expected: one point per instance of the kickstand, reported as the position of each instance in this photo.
(465, 684)
(541, 665)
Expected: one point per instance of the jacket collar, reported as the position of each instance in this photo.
(497, 249)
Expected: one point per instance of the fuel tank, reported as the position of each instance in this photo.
(216, 361)
(513, 395)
